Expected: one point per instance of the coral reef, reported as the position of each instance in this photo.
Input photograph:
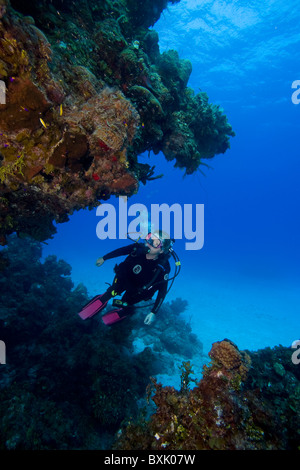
(87, 92)
(244, 401)
(67, 384)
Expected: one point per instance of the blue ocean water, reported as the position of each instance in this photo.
(244, 283)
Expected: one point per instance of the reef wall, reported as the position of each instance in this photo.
(69, 384)
(87, 92)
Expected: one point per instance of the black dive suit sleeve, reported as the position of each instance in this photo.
(124, 250)
(162, 291)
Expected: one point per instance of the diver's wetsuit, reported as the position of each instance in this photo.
(138, 276)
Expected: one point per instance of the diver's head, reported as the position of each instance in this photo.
(159, 239)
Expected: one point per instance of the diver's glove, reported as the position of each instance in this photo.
(149, 318)
(99, 262)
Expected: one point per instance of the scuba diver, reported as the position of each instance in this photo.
(144, 272)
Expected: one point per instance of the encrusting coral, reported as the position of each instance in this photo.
(87, 92)
(235, 406)
(225, 355)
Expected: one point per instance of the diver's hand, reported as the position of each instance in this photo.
(149, 318)
(99, 262)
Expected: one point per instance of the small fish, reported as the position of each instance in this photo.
(95, 176)
(61, 110)
(43, 123)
